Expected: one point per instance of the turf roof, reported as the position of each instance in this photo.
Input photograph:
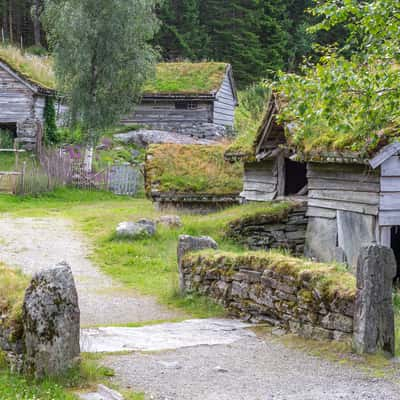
(191, 169)
(187, 78)
(34, 69)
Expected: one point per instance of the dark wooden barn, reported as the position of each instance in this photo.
(196, 99)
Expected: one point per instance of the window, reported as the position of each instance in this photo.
(186, 105)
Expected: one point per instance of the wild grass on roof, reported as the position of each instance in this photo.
(187, 78)
(253, 103)
(37, 69)
(191, 169)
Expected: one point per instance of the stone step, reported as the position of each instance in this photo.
(103, 393)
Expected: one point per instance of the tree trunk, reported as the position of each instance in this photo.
(36, 22)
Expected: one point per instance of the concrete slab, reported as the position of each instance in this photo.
(161, 337)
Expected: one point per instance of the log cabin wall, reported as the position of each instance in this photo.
(343, 206)
(19, 105)
(260, 182)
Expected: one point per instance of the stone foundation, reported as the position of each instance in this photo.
(276, 289)
(193, 204)
(264, 232)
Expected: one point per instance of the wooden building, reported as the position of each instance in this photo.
(196, 99)
(353, 198)
(22, 103)
(269, 172)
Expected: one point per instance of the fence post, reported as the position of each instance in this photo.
(23, 178)
(373, 315)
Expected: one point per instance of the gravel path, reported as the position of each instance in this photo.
(249, 369)
(34, 244)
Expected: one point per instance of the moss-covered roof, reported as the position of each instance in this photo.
(187, 78)
(34, 69)
(191, 169)
(249, 122)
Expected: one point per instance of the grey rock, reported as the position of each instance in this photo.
(171, 221)
(220, 369)
(51, 320)
(143, 227)
(170, 364)
(374, 315)
(187, 244)
(145, 137)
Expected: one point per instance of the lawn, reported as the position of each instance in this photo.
(148, 265)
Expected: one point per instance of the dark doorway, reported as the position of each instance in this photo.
(395, 244)
(8, 133)
(296, 177)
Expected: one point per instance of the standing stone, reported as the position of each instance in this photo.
(374, 316)
(51, 322)
(187, 244)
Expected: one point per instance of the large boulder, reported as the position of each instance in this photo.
(187, 244)
(170, 221)
(51, 320)
(143, 227)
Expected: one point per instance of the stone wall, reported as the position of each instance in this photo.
(263, 232)
(312, 300)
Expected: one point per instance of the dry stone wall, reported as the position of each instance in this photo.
(263, 232)
(277, 289)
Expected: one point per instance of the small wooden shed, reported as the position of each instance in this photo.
(22, 102)
(269, 172)
(196, 99)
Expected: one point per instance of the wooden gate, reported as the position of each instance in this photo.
(123, 180)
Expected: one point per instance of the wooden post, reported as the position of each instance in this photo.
(23, 177)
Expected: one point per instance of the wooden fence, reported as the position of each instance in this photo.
(56, 168)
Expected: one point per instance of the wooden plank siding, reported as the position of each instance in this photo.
(389, 208)
(165, 111)
(224, 106)
(16, 99)
(260, 181)
(333, 187)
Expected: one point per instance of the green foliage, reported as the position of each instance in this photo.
(348, 104)
(50, 124)
(101, 69)
(191, 169)
(186, 77)
(253, 104)
(6, 139)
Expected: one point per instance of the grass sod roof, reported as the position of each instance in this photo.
(34, 69)
(250, 118)
(180, 77)
(330, 280)
(186, 78)
(191, 169)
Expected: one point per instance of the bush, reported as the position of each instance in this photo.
(6, 139)
(50, 124)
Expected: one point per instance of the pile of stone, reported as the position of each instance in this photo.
(132, 230)
(260, 233)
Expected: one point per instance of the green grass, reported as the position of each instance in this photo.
(37, 69)
(185, 77)
(249, 115)
(7, 161)
(192, 169)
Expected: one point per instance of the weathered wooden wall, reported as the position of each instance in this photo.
(164, 111)
(260, 182)
(389, 204)
(224, 106)
(16, 99)
(343, 207)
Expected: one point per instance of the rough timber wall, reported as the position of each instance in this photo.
(342, 210)
(260, 182)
